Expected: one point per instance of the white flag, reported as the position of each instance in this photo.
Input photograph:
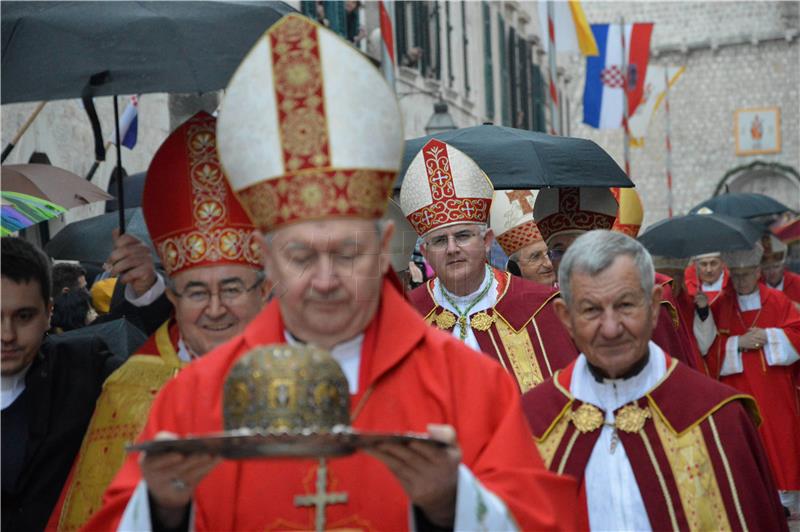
(655, 86)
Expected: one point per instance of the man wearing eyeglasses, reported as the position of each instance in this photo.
(447, 199)
(512, 221)
(564, 214)
(215, 284)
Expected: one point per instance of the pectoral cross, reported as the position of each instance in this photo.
(321, 499)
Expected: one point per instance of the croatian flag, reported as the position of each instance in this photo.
(602, 94)
(128, 125)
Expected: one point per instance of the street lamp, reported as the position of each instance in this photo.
(440, 120)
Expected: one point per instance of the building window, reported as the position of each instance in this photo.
(488, 68)
(448, 36)
(341, 17)
(418, 37)
(538, 100)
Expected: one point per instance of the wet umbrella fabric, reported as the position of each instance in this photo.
(521, 159)
(51, 183)
(50, 50)
(694, 234)
(120, 336)
(742, 205)
(90, 240)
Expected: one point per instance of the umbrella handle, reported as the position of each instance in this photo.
(120, 196)
(22, 130)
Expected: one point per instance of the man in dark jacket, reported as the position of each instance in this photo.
(49, 389)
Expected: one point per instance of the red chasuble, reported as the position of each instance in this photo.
(410, 375)
(791, 285)
(671, 333)
(774, 387)
(523, 332)
(697, 458)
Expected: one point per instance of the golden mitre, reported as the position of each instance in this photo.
(287, 389)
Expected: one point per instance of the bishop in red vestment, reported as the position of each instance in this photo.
(773, 269)
(751, 341)
(509, 318)
(317, 192)
(708, 274)
(653, 444)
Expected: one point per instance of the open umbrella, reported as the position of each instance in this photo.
(21, 210)
(51, 50)
(90, 240)
(51, 183)
(521, 159)
(694, 234)
(120, 336)
(742, 205)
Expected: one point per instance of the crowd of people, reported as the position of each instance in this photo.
(587, 384)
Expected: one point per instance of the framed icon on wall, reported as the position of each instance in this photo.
(757, 130)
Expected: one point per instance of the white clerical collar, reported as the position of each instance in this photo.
(778, 286)
(716, 286)
(183, 351)
(13, 386)
(469, 298)
(347, 354)
(611, 394)
(749, 301)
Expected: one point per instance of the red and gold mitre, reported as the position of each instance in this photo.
(192, 215)
(630, 213)
(443, 187)
(309, 129)
(573, 210)
(511, 219)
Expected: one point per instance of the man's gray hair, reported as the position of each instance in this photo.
(595, 251)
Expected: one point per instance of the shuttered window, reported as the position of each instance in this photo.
(488, 68)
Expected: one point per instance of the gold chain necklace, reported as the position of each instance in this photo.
(462, 314)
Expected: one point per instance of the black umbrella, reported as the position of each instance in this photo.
(132, 195)
(51, 50)
(694, 234)
(742, 205)
(519, 159)
(120, 336)
(90, 240)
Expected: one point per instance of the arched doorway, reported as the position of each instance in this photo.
(776, 180)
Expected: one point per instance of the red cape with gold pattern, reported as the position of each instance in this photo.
(697, 459)
(525, 334)
(119, 416)
(774, 387)
(410, 375)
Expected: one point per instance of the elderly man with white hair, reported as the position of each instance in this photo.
(751, 340)
(651, 441)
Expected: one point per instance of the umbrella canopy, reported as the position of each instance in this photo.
(742, 205)
(120, 336)
(132, 194)
(521, 159)
(90, 240)
(695, 234)
(50, 50)
(21, 210)
(51, 183)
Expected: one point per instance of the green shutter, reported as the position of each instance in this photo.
(400, 30)
(465, 45)
(525, 65)
(488, 69)
(309, 9)
(539, 100)
(513, 77)
(448, 35)
(334, 12)
(504, 83)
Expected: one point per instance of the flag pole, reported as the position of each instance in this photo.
(555, 123)
(668, 134)
(22, 130)
(625, 129)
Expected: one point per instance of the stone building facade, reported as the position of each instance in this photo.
(484, 59)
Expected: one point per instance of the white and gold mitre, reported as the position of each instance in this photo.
(511, 219)
(573, 210)
(309, 129)
(443, 187)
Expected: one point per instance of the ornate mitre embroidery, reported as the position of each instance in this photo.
(519, 237)
(572, 217)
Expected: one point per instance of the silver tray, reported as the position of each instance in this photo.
(245, 443)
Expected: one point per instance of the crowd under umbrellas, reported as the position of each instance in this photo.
(575, 368)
